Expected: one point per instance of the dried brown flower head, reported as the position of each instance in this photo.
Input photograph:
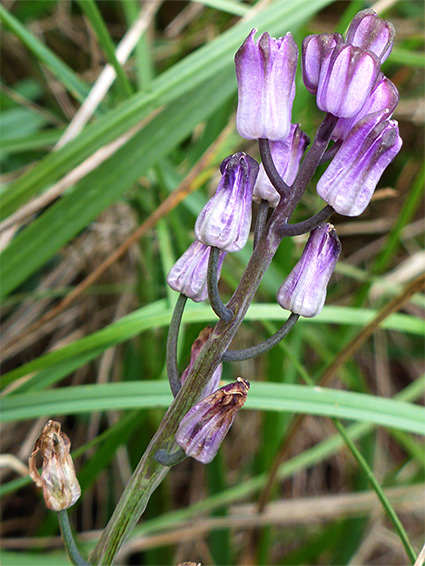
(58, 479)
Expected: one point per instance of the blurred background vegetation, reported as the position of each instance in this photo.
(102, 179)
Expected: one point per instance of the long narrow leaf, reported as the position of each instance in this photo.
(211, 60)
(92, 12)
(158, 314)
(45, 236)
(66, 76)
(263, 396)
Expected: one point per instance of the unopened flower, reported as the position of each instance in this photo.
(194, 353)
(225, 220)
(203, 428)
(266, 86)
(384, 96)
(189, 274)
(58, 479)
(350, 179)
(315, 56)
(347, 81)
(304, 290)
(369, 31)
(286, 156)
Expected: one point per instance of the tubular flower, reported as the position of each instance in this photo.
(347, 81)
(194, 353)
(189, 274)
(304, 290)
(315, 55)
(225, 220)
(266, 86)
(383, 96)
(369, 31)
(286, 155)
(58, 479)
(351, 177)
(203, 428)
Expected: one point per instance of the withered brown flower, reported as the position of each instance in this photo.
(58, 479)
(203, 428)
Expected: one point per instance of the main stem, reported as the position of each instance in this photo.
(149, 473)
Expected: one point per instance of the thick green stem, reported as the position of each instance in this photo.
(149, 473)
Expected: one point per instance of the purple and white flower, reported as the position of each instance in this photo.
(351, 178)
(189, 274)
(203, 428)
(368, 31)
(266, 86)
(225, 220)
(304, 290)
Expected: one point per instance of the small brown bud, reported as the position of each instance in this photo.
(58, 479)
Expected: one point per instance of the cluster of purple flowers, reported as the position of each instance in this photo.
(345, 77)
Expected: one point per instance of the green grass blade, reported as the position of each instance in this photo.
(211, 60)
(94, 16)
(158, 314)
(407, 57)
(45, 236)
(392, 515)
(39, 140)
(66, 76)
(263, 396)
(228, 6)
(408, 210)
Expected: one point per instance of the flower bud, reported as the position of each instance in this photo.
(369, 31)
(347, 81)
(266, 86)
(383, 96)
(304, 290)
(189, 274)
(203, 428)
(225, 220)
(286, 156)
(194, 353)
(58, 480)
(351, 177)
(315, 55)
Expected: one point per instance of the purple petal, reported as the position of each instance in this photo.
(351, 178)
(266, 86)
(304, 290)
(225, 220)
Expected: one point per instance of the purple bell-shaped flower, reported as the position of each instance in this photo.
(369, 31)
(351, 177)
(315, 55)
(384, 96)
(189, 274)
(304, 290)
(203, 428)
(225, 220)
(347, 81)
(286, 156)
(266, 86)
